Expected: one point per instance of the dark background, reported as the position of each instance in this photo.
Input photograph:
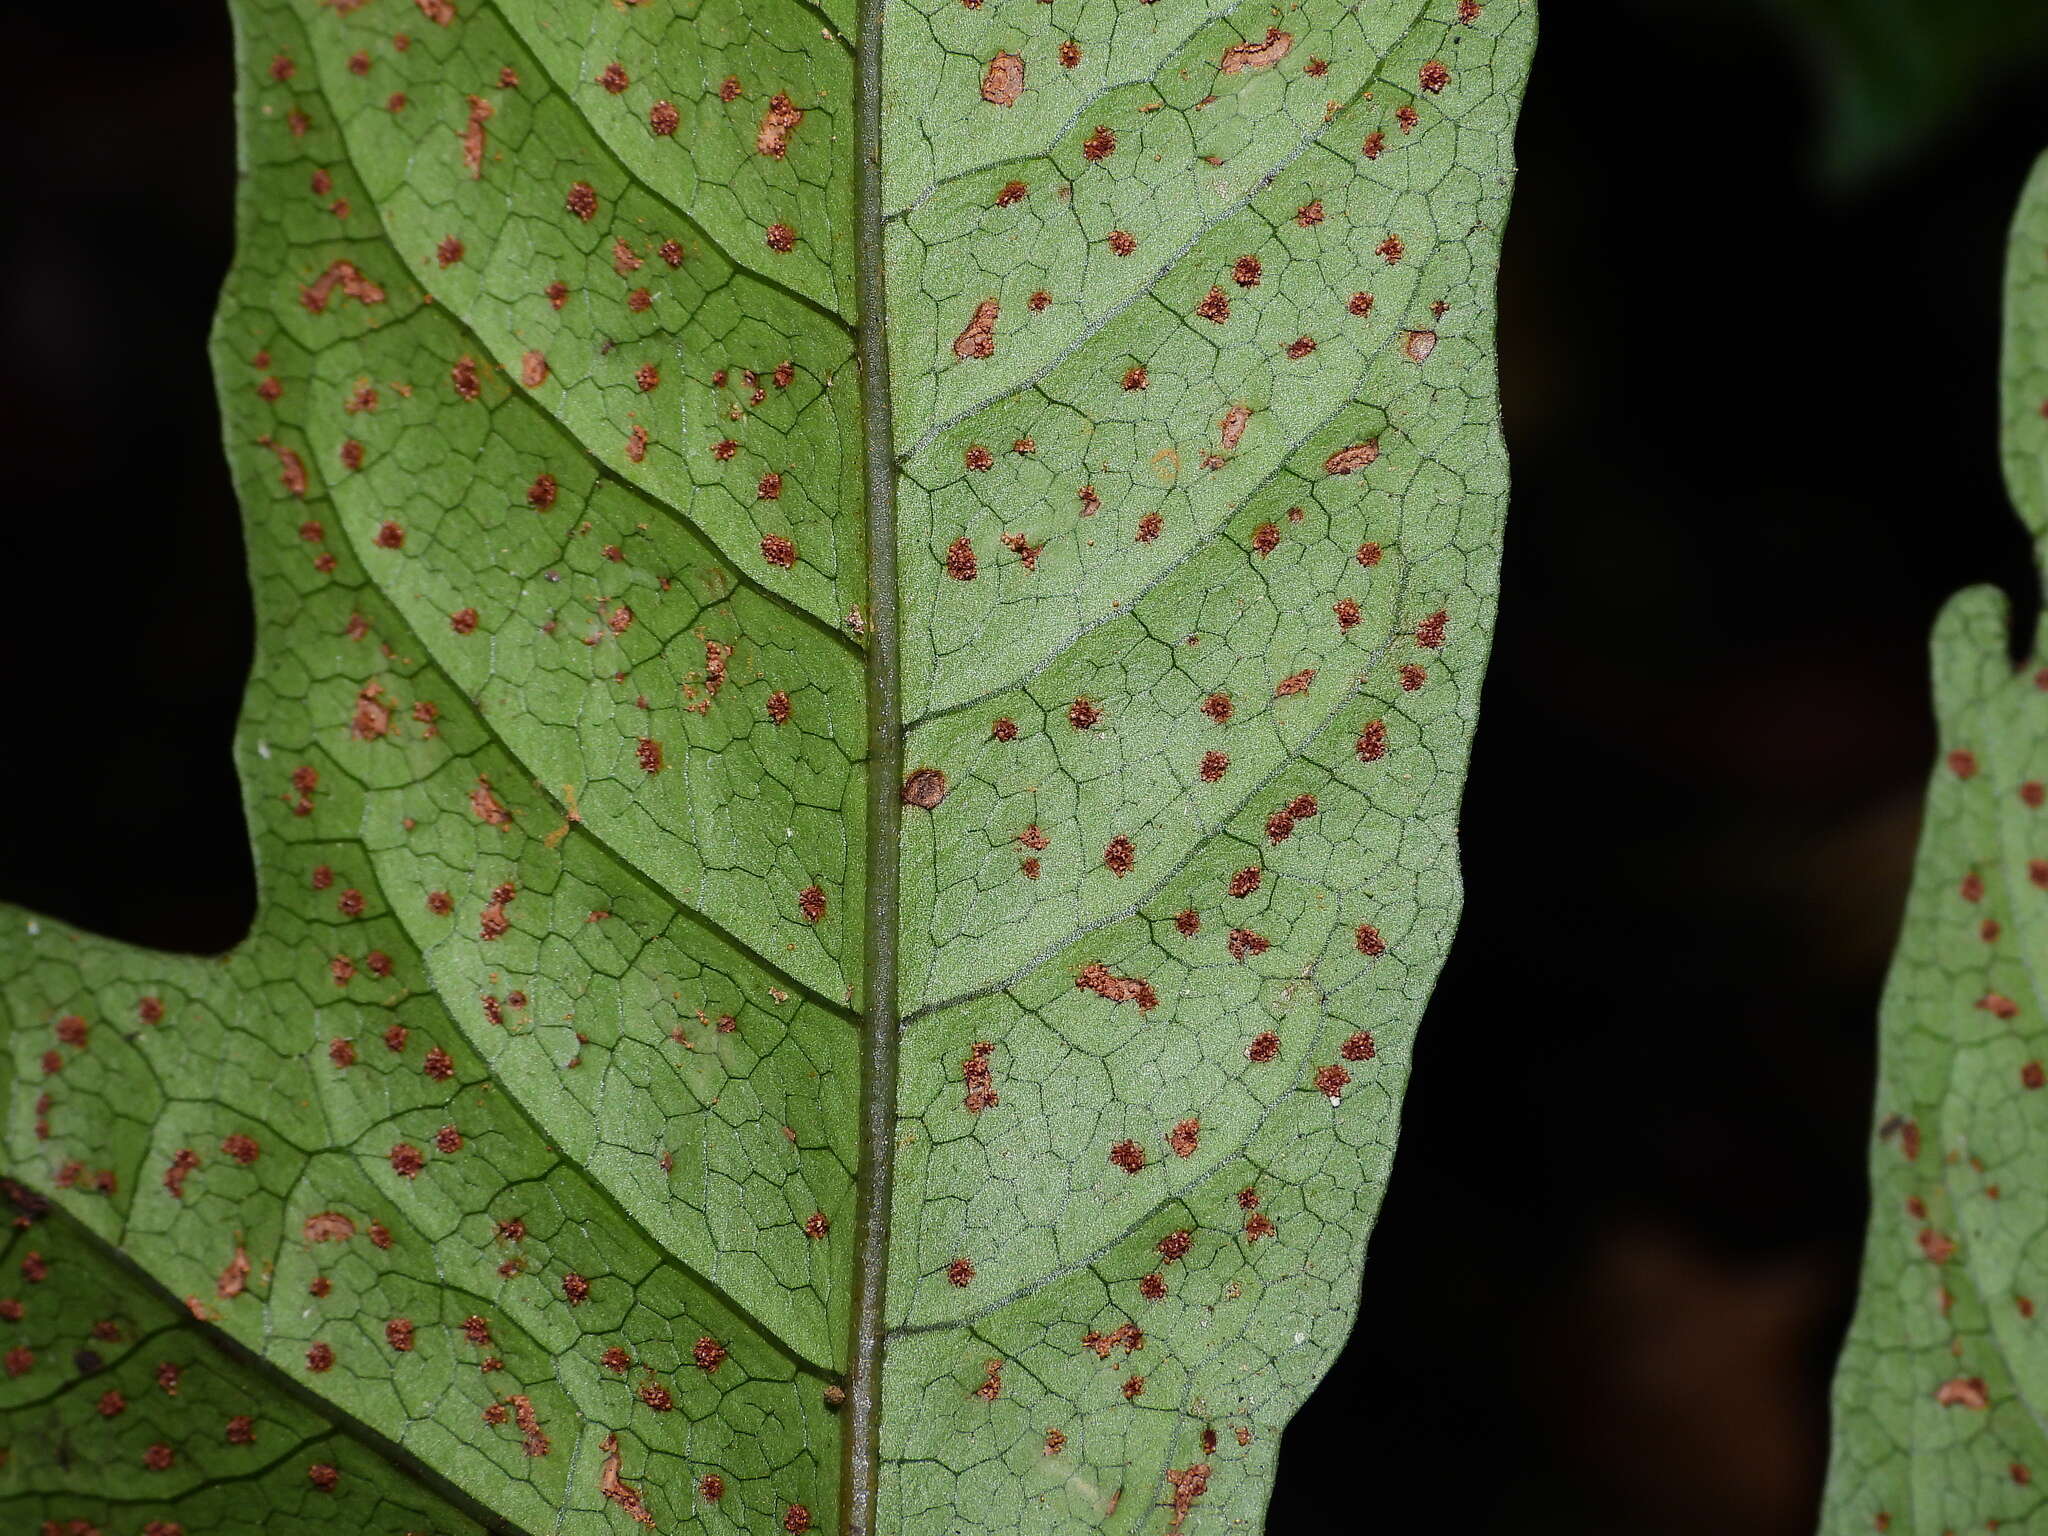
(1749, 338)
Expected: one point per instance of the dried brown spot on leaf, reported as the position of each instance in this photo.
(978, 340)
(345, 277)
(1003, 82)
(1232, 427)
(1264, 54)
(1964, 1392)
(233, 1279)
(616, 1489)
(1098, 978)
(473, 136)
(1346, 461)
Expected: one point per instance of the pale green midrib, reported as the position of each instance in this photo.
(861, 1449)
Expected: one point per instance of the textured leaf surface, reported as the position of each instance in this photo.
(525, 1133)
(1940, 1392)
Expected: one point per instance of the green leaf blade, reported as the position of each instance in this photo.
(1938, 1404)
(553, 1038)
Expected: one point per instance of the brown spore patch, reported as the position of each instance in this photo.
(1120, 857)
(1129, 1156)
(925, 788)
(1185, 1138)
(777, 124)
(960, 563)
(1100, 144)
(1025, 551)
(581, 200)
